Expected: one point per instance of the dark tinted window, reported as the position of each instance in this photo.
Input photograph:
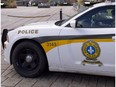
(102, 17)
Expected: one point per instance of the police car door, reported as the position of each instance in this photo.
(90, 47)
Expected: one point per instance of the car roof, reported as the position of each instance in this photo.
(107, 3)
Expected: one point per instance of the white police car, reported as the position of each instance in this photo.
(84, 43)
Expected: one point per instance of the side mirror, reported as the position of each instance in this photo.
(73, 24)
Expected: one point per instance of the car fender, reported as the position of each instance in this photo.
(52, 55)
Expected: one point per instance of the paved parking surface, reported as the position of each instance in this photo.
(9, 78)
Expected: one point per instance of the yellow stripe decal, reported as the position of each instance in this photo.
(52, 44)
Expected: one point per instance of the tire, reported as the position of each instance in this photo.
(29, 59)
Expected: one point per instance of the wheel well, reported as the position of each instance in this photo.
(22, 40)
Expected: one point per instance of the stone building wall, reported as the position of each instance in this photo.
(20, 2)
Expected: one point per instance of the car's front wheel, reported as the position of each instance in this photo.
(28, 59)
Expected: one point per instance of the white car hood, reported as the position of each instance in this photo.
(35, 26)
(47, 23)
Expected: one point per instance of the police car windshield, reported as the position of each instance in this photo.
(79, 11)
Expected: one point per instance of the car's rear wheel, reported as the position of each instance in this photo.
(28, 59)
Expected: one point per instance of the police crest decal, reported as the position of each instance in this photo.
(91, 51)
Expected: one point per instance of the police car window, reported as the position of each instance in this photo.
(79, 11)
(102, 17)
